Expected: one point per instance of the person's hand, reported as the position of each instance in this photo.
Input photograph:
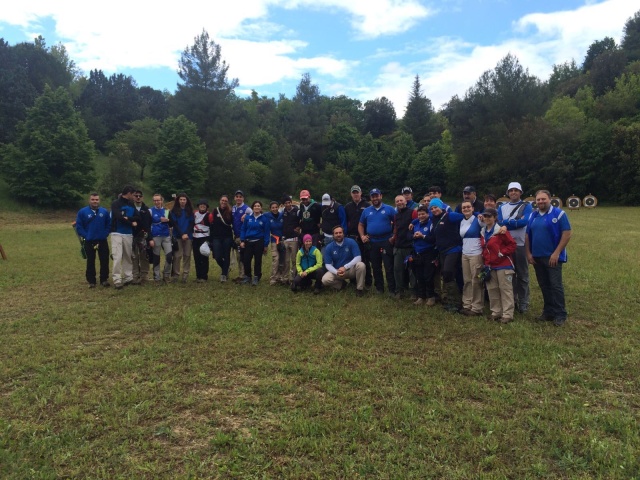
(418, 235)
(364, 238)
(303, 274)
(553, 260)
(185, 236)
(152, 243)
(392, 240)
(530, 259)
(411, 227)
(164, 219)
(264, 251)
(502, 230)
(342, 271)
(241, 244)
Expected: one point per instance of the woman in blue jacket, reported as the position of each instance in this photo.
(182, 219)
(254, 239)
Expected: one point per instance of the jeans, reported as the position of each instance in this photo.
(222, 252)
(403, 276)
(201, 261)
(424, 270)
(550, 281)
(521, 278)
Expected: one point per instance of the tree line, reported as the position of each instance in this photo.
(577, 132)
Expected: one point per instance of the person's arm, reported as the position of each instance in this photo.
(527, 246)
(267, 234)
(298, 260)
(342, 215)
(79, 226)
(564, 240)
(175, 224)
(328, 262)
(243, 229)
(363, 236)
(352, 263)
(523, 220)
(508, 244)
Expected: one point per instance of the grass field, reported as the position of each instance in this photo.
(223, 381)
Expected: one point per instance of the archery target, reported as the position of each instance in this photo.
(556, 202)
(590, 201)
(573, 203)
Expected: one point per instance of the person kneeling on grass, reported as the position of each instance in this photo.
(343, 262)
(497, 249)
(308, 266)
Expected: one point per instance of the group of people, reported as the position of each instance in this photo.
(423, 250)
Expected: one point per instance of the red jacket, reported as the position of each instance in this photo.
(498, 250)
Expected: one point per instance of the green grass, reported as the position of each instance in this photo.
(238, 382)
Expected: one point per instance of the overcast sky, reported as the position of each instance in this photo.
(361, 48)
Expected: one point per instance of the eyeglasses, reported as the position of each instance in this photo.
(138, 196)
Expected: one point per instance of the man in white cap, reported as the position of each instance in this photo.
(332, 214)
(515, 216)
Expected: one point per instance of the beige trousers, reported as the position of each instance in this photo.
(291, 246)
(122, 252)
(500, 289)
(277, 274)
(358, 272)
(184, 253)
(472, 291)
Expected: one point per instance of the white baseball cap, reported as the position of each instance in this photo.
(326, 199)
(514, 185)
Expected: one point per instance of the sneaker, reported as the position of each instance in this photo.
(419, 301)
(126, 284)
(558, 322)
(92, 285)
(544, 318)
(359, 293)
(223, 278)
(495, 319)
(504, 320)
(470, 313)
(105, 284)
(272, 283)
(255, 281)
(397, 296)
(118, 286)
(316, 291)
(431, 302)
(245, 280)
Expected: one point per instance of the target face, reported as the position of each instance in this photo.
(590, 201)
(556, 202)
(532, 201)
(573, 203)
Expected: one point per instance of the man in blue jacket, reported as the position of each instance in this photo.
(93, 225)
(548, 233)
(342, 261)
(124, 218)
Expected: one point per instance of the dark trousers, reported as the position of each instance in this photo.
(365, 255)
(382, 254)
(253, 251)
(201, 261)
(424, 269)
(550, 281)
(222, 253)
(101, 247)
(299, 282)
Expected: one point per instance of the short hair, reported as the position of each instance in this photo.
(423, 208)
(546, 192)
(128, 189)
(137, 191)
(336, 226)
(490, 196)
(256, 202)
(273, 202)
(94, 194)
(158, 195)
(435, 188)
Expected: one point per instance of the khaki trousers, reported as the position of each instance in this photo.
(291, 247)
(122, 251)
(140, 263)
(500, 289)
(358, 272)
(472, 291)
(278, 274)
(184, 253)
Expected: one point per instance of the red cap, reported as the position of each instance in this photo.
(305, 194)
